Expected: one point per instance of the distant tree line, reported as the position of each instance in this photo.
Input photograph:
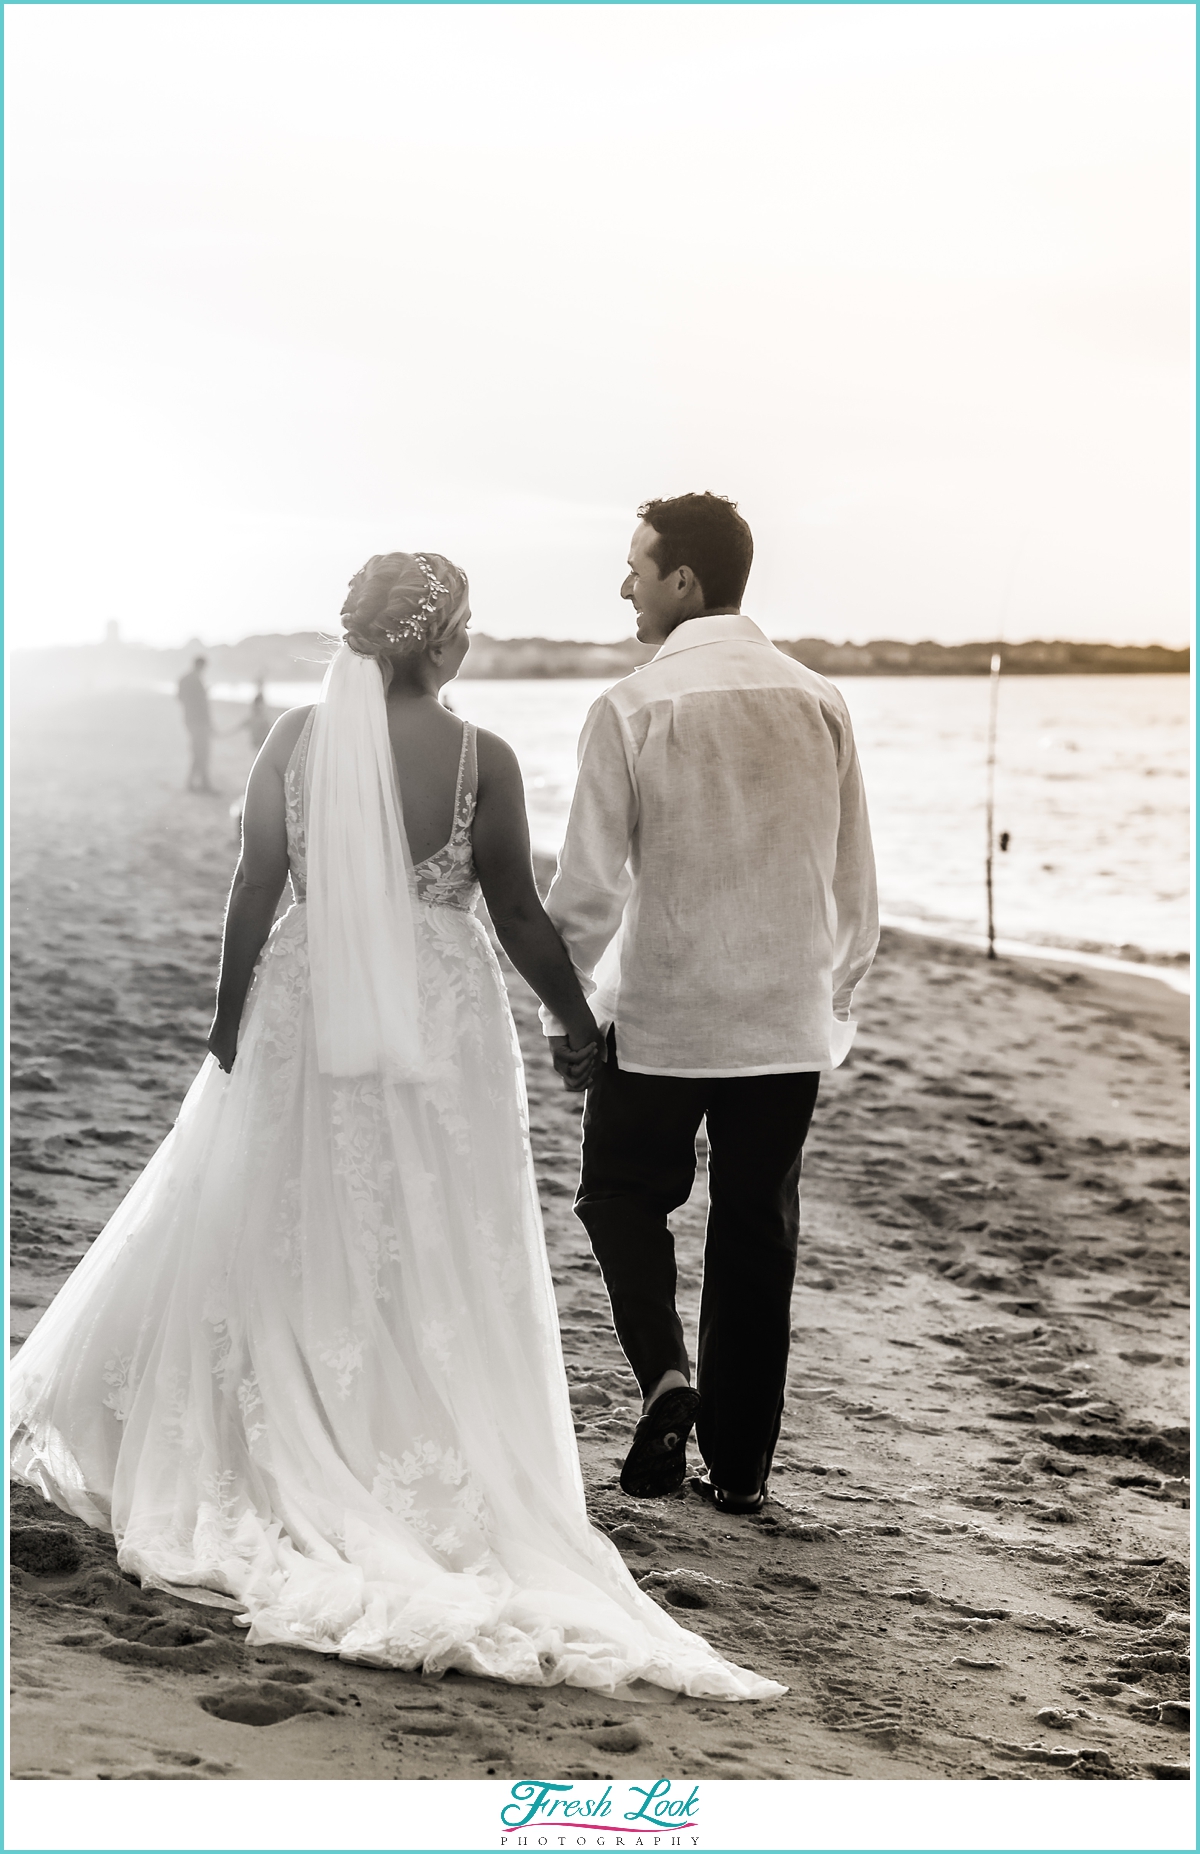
(301, 656)
(885, 658)
(540, 656)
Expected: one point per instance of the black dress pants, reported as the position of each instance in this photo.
(639, 1163)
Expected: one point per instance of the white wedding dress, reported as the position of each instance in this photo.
(313, 1360)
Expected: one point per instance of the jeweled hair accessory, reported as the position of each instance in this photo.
(417, 622)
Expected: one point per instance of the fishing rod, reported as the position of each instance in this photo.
(993, 712)
(993, 707)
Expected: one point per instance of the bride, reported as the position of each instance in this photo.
(313, 1361)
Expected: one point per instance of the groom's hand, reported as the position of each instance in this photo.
(576, 1066)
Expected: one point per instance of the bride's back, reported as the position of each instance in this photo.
(427, 747)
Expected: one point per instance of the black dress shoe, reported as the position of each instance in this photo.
(726, 1502)
(657, 1461)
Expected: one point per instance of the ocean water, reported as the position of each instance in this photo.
(1092, 785)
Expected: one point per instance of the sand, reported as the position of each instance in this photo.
(974, 1561)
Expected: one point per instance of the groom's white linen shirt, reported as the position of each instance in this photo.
(716, 886)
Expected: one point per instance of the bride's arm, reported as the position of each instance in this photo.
(500, 842)
(257, 883)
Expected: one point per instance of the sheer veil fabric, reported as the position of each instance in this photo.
(313, 1364)
(361, 941)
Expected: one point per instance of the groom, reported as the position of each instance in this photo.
(716, 891)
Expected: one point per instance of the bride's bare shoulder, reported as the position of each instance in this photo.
(290, 725)
(281, 741)
(497, 761)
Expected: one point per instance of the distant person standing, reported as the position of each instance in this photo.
(194, 697)
(257, 722)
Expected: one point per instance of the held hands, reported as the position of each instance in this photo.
(577, 1062)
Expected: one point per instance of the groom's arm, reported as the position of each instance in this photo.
(857, 934)
(588, 895)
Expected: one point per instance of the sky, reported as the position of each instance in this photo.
(292, 285)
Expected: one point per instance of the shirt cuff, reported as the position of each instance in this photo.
(841, 1036)
(550, 1023)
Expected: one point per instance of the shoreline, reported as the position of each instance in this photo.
(1169, 968)
(1177, 976)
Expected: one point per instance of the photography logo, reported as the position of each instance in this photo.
(623, 1816)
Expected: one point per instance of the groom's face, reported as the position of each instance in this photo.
(655, 600)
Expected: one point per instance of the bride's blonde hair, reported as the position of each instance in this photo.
(400, 604)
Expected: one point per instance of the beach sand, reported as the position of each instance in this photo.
(974, 1561)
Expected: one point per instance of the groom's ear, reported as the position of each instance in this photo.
(687, 586)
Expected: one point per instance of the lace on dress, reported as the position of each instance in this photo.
(448, 878)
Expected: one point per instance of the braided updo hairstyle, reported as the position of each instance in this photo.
(400, 604)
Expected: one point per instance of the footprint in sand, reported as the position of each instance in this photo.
(1174, 1713)
(684, 1596)
(976, 1612)
(423, 1715)
(628, 1540)
(788, 1580)
(127, 1627)
(172, 1767)
(157, 1641)
(1060, 1719)
(620, 1740)
(1061, 1756)
(44, 1551)
(426, 1725)
(1034, 1624)
(479, 1736)
(683, 1589)
(160, 1772)
(32, 1681)
(265, 1702)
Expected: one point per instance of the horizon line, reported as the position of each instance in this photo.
(617, 643)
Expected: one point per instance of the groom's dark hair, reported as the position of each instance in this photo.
(707, 534)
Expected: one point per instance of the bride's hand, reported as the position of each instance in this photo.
(576, 1062)
(222, 1042)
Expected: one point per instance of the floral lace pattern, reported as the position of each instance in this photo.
(447, 879)
(293, 808)
(343, 1358)
(250, 1404)
(411, 1487)
(117, 1373)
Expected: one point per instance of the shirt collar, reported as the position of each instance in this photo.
(721, 628)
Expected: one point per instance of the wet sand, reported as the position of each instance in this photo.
(974, 1564)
